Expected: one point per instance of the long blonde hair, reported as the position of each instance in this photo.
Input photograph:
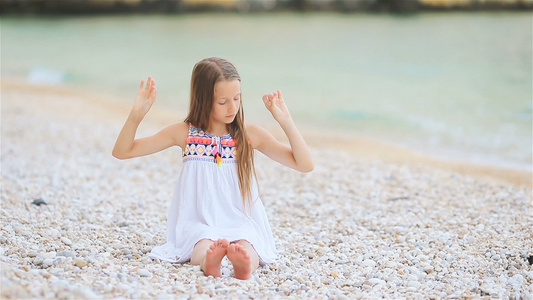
(205, 75)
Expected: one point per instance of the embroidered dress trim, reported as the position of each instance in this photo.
(202, 146)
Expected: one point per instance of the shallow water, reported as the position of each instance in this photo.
(456, 85)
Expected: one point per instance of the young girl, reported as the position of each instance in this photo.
(216, 210)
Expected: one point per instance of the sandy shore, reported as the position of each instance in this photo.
(359, 226)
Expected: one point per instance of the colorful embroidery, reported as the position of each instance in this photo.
(203, 146)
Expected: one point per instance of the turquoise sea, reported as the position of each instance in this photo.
(456, 85)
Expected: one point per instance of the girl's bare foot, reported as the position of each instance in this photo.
(214, 256)
(239, 257)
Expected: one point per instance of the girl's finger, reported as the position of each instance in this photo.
(142, 84)
(267, 102)
(275, 98)
(149, 83)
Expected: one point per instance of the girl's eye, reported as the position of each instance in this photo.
(222, 103)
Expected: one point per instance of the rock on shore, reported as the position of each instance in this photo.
(353, 228)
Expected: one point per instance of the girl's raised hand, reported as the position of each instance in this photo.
(145, 97)
(276, 105)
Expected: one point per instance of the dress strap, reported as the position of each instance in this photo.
(196, 132)
(191, 129)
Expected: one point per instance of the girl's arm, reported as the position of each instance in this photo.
(127, 146)
(297, 156)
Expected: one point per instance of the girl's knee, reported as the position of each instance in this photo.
(204, 242)
(245, 244)
(242, 242)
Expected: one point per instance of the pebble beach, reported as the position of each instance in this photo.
(356, 227)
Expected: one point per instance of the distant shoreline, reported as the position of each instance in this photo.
(52, 7)
(367, 148)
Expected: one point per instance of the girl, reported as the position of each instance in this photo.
(216, 210)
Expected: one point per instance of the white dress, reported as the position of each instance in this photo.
(207, 202)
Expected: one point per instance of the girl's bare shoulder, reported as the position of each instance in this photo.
(254, 129)
(181, 126)
(179, 131)
(256, 134)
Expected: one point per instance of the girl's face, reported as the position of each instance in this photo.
(226, 103)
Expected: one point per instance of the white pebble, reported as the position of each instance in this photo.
(516, 280)
(414, 284)
(56, 271)
(375, 281)
(48, 262)
(84, 292)
(530, 275)
(144, 273)
(67, 254)
(225, 272)
(369, 263)
(224, 262)
(66, 240)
